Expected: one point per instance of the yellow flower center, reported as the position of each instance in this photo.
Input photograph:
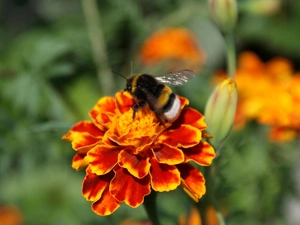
(138, 132)
(143, 124)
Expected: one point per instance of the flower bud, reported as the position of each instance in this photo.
(224, 13)
(220, 110)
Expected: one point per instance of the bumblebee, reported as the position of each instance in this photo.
(151, 90)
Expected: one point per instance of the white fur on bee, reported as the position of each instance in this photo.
(173, 112)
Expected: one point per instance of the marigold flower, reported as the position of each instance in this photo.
(131, 222)
(269, 93)
(126, 158)
(194, 217)
(10, 215)
(176, 46)
(281, 134)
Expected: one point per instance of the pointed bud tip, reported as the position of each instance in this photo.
(220, 110)
(224, 13)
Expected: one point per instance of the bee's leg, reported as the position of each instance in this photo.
(160, 117)
(137, 106)
(152, 101)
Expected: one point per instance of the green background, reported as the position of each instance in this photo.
(48, 82)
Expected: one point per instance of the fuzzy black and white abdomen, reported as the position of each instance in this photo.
(172, 109)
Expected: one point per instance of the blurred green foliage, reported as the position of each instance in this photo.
(48, 82)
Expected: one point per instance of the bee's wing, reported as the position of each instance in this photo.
(176, 78)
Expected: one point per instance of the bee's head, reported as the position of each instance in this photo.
(129, 85)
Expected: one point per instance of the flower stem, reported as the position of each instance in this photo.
(231, 55)
(218, 210)
(92, 16)
(151, 209)
(210, 198)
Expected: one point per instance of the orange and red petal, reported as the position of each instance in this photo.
(108, 142)
(106, 205)
(138, 166)
(83, 143)
(83, 127)
(192, 117)
(280, 134)
(202, 153)
(102, 158)
(93, 185)
(193, 182)
(83, 135)
(168, 155)
(124, 101)
(164, 177)
(183, 101)
(129, 189)
(185, 136)
(129, 139)
(104, 106)
(104, 120)
(79, 161)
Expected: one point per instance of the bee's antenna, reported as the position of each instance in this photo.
(119, 74)
(131, 68)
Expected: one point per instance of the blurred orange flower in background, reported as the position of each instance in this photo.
(194, 217)
(132, 222)
(10, 215)
(176, 46)
(270, 94)
(126, 158)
